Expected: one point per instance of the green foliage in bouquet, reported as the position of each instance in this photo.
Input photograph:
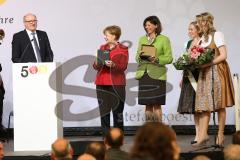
(195, 57)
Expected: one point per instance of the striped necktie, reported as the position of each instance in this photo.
(36, 48)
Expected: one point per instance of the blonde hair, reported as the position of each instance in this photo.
(196, 25)
(198, 18)
(208, 27)
(113, 30)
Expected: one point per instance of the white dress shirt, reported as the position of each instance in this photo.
(31, 39)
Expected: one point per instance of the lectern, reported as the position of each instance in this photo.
(36, 124)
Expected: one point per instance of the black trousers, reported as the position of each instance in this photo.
(2, 92)
(111, 98)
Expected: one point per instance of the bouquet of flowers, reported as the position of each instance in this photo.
(196, 56)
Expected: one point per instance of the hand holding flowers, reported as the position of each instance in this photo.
(196, 57)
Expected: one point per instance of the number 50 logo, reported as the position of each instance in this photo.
(31, 70)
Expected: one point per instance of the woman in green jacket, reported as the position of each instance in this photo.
(151, 71)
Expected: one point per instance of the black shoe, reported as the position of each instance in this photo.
(193, 142)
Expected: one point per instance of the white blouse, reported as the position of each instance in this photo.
(218, 39)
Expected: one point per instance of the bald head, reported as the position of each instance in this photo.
(30, 22)
(114, 138)
(95, 146)
(97, 150)
(61, 149)
(201, 157)
(115, 133)
(86, 157)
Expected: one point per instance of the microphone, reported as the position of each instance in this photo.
(24, 51)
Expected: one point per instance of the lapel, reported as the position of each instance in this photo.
(26, 37)
(27, 40)
(40, 40)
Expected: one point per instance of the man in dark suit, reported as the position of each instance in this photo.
(31, 45)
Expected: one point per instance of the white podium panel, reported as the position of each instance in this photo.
(36, 125)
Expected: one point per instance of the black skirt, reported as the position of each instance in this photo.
(151, 91)
(186, 102)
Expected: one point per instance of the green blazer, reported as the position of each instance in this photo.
(164, 56)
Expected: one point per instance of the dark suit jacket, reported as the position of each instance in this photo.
(22, 50)
(116, 154)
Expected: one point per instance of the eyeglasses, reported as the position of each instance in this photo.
(31, 21)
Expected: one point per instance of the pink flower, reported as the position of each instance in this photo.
(196, 51)
(200, 49)
(194, 55)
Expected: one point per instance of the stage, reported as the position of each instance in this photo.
(79, 144)
(74, 39)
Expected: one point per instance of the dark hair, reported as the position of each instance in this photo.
(2, 34)
(114, 142)
(97, 150)
(153, 20)
(154, 140)
(236, 138)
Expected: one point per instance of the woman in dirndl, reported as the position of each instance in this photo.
(188, 83)
(215, 88)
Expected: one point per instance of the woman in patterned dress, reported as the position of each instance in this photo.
(216, 77)
(186, 103)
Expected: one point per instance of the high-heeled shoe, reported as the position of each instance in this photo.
(220, 140)
(201, 143)
(194, 141)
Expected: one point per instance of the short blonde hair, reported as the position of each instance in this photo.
(113, 30)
